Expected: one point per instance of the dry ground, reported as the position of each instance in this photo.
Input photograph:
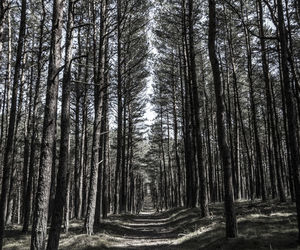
(269, 225)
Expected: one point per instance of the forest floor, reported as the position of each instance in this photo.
(270, 225)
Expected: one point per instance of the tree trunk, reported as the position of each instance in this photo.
(98, 102)
(122, 195)
(175, 130)
(259, 163)
(231, 226)
(14, 166)
(269, 105)
(120, 108)
(187, 132)
(84, 128)
(33, 142)
(201, 168)
(105, 148)
(78, 165)
(7, 163)
(291, 114)
(62, 182)
(105, 190)
(39, 228)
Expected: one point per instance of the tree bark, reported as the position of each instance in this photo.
(269, 105)
(120, 108)
(231, 226)
(98, 102)
(33, 140)
(78, 165)
(62, 182)
(203, 187)
(8, 157)
(291, 114)
(39, 228)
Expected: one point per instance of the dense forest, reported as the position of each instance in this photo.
(112, 108)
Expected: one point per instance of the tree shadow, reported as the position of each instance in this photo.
(270, 225)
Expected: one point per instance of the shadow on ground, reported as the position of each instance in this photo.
(261, 226)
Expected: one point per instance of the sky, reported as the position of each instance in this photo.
(149, 113)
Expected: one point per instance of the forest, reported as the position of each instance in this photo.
(149, 124)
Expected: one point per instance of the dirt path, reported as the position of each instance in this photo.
(148, 229)
(261, 226)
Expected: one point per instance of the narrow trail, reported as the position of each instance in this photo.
(185, 229)
(261, 225)
(149, 229)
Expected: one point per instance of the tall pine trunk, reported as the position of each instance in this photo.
(197, 128)
(33, 140)
(39, 227)
(291, 114)
(231, 224)
(8, 154)
(120, 108)
(62, 182)
(98, 102)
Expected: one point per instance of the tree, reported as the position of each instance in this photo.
(291, 114)
(120, 108)
(98, 102)
(8, 154)
(62, 181)
(195, 97)
(39, 228)
(231, 227)
(28, 189)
